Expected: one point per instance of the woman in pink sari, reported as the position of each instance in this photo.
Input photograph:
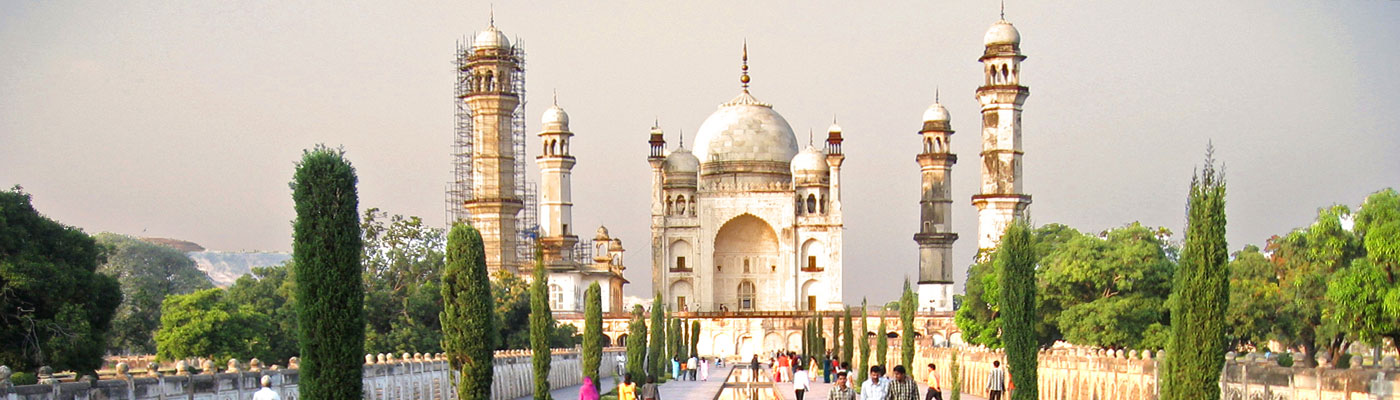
(587, 391)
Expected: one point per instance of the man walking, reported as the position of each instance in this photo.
(935, 387)
(266, 393)
(841, 391)
(800, 380)
(875, 387)
(902, 387)
(996, 381)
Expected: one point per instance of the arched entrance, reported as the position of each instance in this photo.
(746, 246)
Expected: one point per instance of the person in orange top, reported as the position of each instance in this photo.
(935, 389)
(627, 390)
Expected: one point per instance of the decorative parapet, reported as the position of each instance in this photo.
(386, 377)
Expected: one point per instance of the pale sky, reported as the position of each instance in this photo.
(184, 119)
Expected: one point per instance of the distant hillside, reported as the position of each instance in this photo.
(224, 267)
(177, 244)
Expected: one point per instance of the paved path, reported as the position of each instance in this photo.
(571, 392)
(706, 390)
(819, 390)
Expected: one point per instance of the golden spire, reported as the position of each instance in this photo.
(492, 20)
(744, 77)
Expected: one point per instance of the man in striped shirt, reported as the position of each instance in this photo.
(996, 381)
(902, 387)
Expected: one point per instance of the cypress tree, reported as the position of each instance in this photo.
(592, 331)
(695, 338)
(820, 344)
(541, 327)
(673, 339)
(684, 340)
(326, 246)
(469, 332)
(637, 344)
(1015, 262)
(656, 363)
(907, 303)
(955, 373)
(882, 342)
(863, 361)
(847, 336)
(836, 337)
(1195, 350)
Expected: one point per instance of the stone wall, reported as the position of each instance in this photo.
(386, 377)
(1075, 374)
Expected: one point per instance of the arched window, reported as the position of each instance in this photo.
(668, 205)
(823, 204)
(811, 203)
(680, 205)
(746, 295)
(556, 297)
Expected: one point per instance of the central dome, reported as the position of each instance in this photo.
(745, 129)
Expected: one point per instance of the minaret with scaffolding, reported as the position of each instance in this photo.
(489, 188)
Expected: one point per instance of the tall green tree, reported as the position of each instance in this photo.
(656, 358)
(1015, 260)
(908, 302)
(637, 344)
(403, 263)
(848, 336)
(512, 302)
(1255, 300)
(1306, 259)
(326, 247)
(1108, 290)
(592, 330)
(1364, 297)
(1196, 351)
(55, 308)
(862, 362)
(147, 272)
(685, 340)
(882, 341)
(205, 324)
(979, 314)
(955, 373)
(541, 327)
(695, 338)
(469, 330)
(270, 291)
(821, 338)
(673, 338)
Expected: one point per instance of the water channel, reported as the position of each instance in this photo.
(744, 384)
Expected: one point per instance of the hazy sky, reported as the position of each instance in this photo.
(184, 119)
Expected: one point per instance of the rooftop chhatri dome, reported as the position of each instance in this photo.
(490, 38)
(810, 160)
(1002, 32)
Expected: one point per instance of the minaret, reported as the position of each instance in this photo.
(834, 158)
(936, 237)
(1001, 95)
(657, 159)
(493, 76)
(556, 197)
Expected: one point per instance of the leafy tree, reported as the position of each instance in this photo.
(882, 342)
(1255, 299)
(908, 302)
(1108, 290)
(1305, 260)
(147, 272)
(848, 335)
(1016, 260)
(978, 312)
(55, 309)
(512, 301)
(326, 245)
(270, 291)
(403, 262)
(1365, 297)
(637, 344)
(541, 327)
(469, 330)
(862, 363)
(656, 363)
(592, 330)
(1196, 351)
(206, 324)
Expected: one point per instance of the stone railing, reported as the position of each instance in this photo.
(386, 377)
(1074, 374)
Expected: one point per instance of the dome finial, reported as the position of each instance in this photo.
(682, 141)
(935, 94)
(744, 77)
(556, 97)
(492, 16)
(1003, 10)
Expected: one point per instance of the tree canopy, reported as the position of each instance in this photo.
(147, 272)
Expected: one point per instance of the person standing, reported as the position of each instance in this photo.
(800, 381)
(996, 381)
(826, 368)
(627, 390)
(902, 387)
(587, 391)
(840, 391)
(705, 369)
(694, 364)
(649, 390)
(935, 387)
(753, 366)
(266, 393)
(875, 387)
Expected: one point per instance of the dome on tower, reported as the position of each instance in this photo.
(834, 128)
(682, 161)
(745, 129)
(1002, 32)
(555, 117)
(490, 38)
(936, 113)
(809, 161)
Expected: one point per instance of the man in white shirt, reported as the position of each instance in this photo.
(266, 393)
(800, 380)
(694, 364)
(875, 387)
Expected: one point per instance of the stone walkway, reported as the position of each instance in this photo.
(819, 391)
(706, 390)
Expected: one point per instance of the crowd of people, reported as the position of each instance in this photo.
(801, 371)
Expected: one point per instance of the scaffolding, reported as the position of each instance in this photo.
(460, 190)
